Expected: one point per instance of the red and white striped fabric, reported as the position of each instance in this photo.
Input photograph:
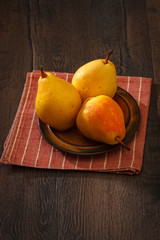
(25, 146)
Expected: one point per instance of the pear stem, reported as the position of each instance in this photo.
(43, 74)
(106, 60)
(122, 143)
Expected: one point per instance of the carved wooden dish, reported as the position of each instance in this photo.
(72, 141)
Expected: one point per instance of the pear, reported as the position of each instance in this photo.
(95, 78)
(57, 101)
(101, 119)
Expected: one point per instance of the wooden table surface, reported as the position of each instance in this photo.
(62, 36)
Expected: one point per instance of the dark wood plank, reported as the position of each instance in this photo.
(21, 189)
(153, 8)
(151, 176)
(63, 35)
(15, 58)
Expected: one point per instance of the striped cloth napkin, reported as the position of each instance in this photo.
(25, 146)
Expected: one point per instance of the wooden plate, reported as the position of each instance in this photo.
(72, 141)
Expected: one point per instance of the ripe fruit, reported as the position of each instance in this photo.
(101, 118)
(57, 101)
(95, 78)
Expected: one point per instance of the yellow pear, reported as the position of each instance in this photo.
(101, 118)
(95, 78)
(57, 101)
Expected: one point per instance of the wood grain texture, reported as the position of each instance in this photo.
(153, 10)
(63, 35)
